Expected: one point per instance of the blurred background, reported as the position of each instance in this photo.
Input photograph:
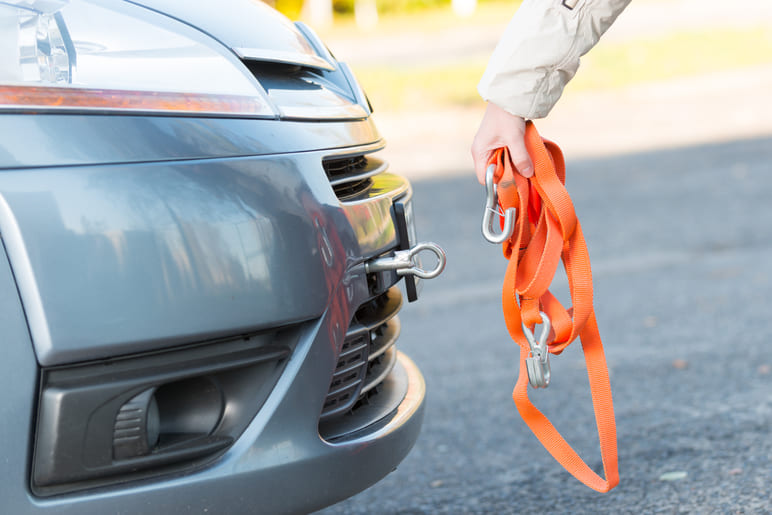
(667, 132)
(668, 73)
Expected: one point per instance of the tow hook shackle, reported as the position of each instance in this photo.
(405, 262)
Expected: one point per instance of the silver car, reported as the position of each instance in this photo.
(201, 265)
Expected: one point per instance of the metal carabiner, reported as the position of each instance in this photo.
(492, 208)
(538, 365)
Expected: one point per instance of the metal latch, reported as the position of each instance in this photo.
(538, 365)
(492, 209)
(404, 262)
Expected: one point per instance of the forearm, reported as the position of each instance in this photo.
(540, 52)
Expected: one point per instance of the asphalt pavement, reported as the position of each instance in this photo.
(681, 241)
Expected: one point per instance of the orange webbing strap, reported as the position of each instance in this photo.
(547, 230)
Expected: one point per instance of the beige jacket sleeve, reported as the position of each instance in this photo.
(540, 50)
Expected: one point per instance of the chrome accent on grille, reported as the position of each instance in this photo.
(367, 355)
(350, 176)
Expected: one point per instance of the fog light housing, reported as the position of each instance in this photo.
(134, 417)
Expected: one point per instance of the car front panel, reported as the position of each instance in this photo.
(134, 237)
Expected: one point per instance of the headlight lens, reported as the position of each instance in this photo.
(83, 56)
(43, 55)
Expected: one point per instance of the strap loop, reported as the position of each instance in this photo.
(546, 231)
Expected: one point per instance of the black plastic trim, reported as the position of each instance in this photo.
(400, 220)
(76, 444)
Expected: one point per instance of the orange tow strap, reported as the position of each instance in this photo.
(546, 230)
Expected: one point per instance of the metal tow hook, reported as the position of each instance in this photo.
(538, 365)
(492, 209)
(404, 261)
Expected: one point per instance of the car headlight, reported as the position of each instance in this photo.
(81, 55)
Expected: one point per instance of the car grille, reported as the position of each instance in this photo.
(367, 355)
(350, 176)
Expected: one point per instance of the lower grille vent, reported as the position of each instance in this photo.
(352, 190)
(350, 175)
(367, 355)
(337, 168)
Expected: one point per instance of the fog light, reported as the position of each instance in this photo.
(173, 414)
(136, 427)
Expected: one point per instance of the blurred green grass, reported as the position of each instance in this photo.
(681, 54)
(610, 65)
(430, 19)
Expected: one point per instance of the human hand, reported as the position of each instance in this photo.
(500, 129)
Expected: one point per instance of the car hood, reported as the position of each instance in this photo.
(252, 29)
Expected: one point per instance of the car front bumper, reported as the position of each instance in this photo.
(95, 272)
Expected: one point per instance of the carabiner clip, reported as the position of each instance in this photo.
(538, 365)
(492, 208)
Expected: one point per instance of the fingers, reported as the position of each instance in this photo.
(520, 158)
(498, 129)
